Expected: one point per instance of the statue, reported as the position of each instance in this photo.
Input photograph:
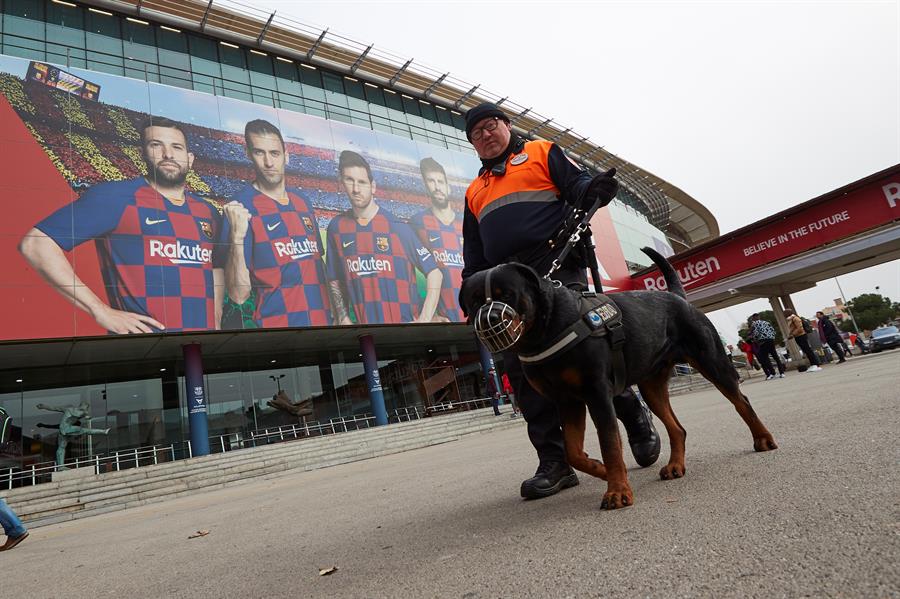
(70, 426)
(281, 401)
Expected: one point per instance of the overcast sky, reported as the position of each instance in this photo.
(749, 107)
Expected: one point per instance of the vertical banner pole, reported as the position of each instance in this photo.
(196, 399)
(373, 381)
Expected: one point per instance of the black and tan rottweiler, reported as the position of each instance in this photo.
(661, 329)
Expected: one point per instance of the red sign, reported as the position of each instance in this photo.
(817, 224)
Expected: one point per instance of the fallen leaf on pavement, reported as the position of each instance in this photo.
(327, 571)
(199, 533)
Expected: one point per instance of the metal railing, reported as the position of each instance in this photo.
(334, 426)
(459, 406)
(406, 414)
(123, 459)
(136, 457)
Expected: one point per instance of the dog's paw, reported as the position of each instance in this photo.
(613, 500)
(671, 471)
(764, 443)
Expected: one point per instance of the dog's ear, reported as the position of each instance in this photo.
(528, 273)
(542, 289)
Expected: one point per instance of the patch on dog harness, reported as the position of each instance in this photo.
(601, 317)
(602, 314)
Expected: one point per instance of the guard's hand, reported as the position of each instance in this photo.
(602, 187)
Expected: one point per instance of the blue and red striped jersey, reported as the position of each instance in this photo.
(376, 262)
(156, 257)
(446, 245)
(283, 254)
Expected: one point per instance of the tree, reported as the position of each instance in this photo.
(870, 310)
(744, 332)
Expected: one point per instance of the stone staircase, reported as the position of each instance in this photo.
(93, 494)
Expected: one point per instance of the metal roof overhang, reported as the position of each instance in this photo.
(671, 208)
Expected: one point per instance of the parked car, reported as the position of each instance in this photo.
(884, 338)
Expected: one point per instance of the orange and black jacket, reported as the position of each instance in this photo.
(515, 212)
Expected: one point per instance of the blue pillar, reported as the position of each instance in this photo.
(196, 399)
(373, 381)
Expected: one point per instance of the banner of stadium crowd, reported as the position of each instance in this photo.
(163, 209)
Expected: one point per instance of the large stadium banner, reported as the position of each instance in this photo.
(163, 209)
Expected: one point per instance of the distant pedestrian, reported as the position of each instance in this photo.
(764, 362)
(747, 348)
(828, 333)
(493, 391)
(12, 527)
(510, 393)
(763, 334)
(798, 333)
(847, 352)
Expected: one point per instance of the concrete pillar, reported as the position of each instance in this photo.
(373, 380)
(793, 350)
(196, 399)
(788, 302)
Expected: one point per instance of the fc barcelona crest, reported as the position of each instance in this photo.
(382, 244)
(206, 228)
(307, 222)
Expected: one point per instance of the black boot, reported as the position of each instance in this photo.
(550, 479)
(638, 421)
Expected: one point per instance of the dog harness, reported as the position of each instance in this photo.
(601, 317)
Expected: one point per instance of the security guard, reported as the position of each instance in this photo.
(516, 204)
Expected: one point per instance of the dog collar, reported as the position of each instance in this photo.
(601, 317)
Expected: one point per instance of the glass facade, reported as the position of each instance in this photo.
(634, 232)
(151, 412)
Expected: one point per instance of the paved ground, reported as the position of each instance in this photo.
(817, 518)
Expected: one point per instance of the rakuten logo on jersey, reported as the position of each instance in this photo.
(449, 258)
(690, 273)
(368, 266)
(296, 250)
(180, 253)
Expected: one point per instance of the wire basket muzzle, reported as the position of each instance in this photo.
(498, 326)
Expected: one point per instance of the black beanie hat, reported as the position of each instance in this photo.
(481, 112)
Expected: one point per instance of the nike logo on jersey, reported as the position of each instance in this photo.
(433, 239)
(151, 221)
(272, 227)
(348, 244)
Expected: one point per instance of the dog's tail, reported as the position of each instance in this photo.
(669, 274)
